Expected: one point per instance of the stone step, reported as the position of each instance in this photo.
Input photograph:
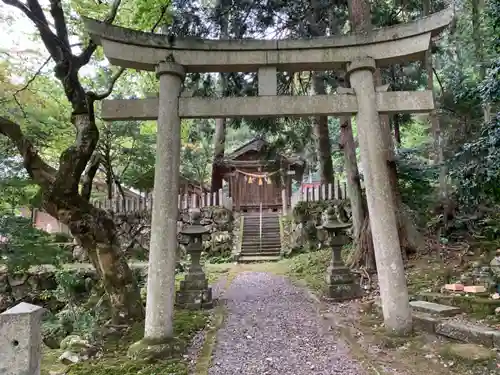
(255, 240)
(434, 308)
(258, 254)
(264, 220)
(263, 258)
(264, 233)
(257, 247)
(261, 250)
(253, 235)
(264, 230)
(264, 225)
(264, 214)
(257, 222)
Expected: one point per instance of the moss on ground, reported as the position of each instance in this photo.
(310, 268)
(115, 361)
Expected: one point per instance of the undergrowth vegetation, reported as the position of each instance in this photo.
(114, 359)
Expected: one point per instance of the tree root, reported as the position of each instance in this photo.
(411, 241)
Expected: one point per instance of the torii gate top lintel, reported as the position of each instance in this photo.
(142, 50)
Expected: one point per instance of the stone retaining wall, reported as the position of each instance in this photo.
(134, 232)
(39, 284)
(303, 231)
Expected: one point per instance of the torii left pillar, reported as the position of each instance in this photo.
(158, 330)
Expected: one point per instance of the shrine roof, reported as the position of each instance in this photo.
(259, 145)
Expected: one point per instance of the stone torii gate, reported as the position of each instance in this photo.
(358, 55)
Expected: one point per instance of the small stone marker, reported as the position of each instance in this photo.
(434, 308)
(454, 287)
(475, 289)
(21, 340)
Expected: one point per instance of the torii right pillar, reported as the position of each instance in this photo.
(383, 221)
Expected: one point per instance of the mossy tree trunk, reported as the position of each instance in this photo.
(62, 199)
(409, 237)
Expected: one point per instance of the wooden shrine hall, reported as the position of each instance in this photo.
(259, 177)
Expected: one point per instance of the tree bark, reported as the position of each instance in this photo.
(363, 254)
(219, 146)
(477, 36)
(354, 192)
(94, 228)
(317, 28)
(323, 136)
(409, 237)
(220, 124)
(436, 127)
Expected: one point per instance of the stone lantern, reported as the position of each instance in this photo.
(341, 284)
(194, 292)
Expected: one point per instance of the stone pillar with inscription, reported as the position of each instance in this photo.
(383, 223)
(158, 330)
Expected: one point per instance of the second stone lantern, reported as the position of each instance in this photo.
(194, 292)
(339, 278)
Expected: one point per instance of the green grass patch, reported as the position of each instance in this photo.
(310, 268)
(307, 268)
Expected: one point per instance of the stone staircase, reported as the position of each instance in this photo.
(252, 249)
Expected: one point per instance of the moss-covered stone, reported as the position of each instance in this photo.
(478, 306)
(114, 359)
(148, 350)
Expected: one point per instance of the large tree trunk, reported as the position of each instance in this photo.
(96, 231)
(219, 146)
(354, 192)
(363, 254)
(409, 237)
(94, 228)
(60, 188)
(323, 136)
(436, 128)
(317, 28)
(220, 124)
(477, 36)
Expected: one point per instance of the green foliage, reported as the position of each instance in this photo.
(416, 180)
(25, 246)
(197, 150)
(478, 167)
(310, 268)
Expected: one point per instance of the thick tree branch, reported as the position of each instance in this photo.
(41, 173)
(88, 178)
(35, 13)
(94, 97)
(57, 12)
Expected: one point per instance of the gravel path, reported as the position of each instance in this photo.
(272, 328)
